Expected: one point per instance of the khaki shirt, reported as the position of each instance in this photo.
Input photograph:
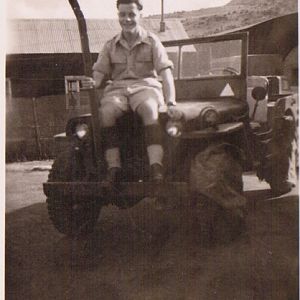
(144, 60)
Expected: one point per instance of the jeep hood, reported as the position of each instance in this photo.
(228, 108)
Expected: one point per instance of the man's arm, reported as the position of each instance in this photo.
(101, 67)
(168, 86)
(98, 78)
(95, 82)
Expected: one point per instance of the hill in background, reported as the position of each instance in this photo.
(235, 14)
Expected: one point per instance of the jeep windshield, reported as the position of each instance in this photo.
(210, 68)
(206, 57)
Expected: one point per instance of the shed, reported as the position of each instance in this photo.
(40, 53)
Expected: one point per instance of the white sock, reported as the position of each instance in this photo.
(155, 154)
(113, 158)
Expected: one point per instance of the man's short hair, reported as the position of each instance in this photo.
(139, 3)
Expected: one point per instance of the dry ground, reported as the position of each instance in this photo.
(148, 253)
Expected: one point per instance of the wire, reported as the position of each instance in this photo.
(10, 58)
(36, 79)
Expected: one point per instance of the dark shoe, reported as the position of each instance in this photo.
(156, 173)
(283, 188)
(113, 175)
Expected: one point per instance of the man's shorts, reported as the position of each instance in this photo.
(130, 94)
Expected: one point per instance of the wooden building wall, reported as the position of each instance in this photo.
(31, 124)
(36, 102)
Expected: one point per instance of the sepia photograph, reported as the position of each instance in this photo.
(151, 150)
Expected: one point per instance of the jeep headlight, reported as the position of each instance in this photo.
(209, 117)
(174, 128)
(81, 130)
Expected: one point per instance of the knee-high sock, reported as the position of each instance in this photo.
(153, 139)
(155, 154)
(113, 158)
(111, 142)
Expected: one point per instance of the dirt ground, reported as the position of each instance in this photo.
(148, 252)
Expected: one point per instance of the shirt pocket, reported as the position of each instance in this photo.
(119, 63)
(144, 54)
(118, 58)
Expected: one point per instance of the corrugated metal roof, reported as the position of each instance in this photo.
(33, 36)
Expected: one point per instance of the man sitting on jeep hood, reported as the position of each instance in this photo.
(132, 60)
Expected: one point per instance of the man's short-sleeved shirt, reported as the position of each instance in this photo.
(145, 59)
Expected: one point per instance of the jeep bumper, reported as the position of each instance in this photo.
(221, 129)
(124, 190)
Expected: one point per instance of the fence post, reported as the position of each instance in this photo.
(36, 129)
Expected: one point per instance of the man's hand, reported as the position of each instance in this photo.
(169, 108)
(87, 83)
(171, 103)
(174, 113)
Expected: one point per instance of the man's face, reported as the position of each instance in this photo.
(129, 16)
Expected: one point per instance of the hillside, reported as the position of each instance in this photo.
(235, 14)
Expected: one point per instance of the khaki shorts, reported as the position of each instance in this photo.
(127, 95)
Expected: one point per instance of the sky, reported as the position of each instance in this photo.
(97, 8)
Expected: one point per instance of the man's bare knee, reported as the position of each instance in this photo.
(109, 113)
(148, 111)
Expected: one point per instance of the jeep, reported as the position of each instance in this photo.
(209, 142)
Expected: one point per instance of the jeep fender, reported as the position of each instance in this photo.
(236, 152)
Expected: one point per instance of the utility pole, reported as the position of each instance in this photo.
(162, 22)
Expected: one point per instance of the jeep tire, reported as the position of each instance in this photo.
(216, 177)
(70, 215)
(279, 165)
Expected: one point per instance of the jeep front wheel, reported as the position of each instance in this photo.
(70, 215)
